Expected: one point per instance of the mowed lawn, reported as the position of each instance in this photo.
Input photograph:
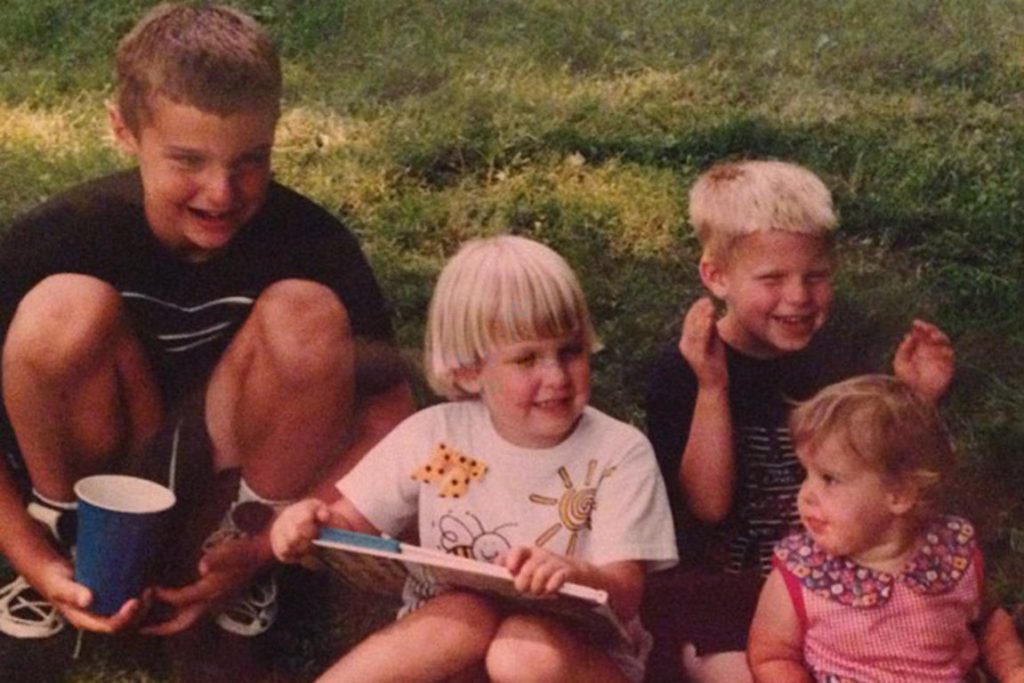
(581, 123)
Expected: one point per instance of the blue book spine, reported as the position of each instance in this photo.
(355, 538)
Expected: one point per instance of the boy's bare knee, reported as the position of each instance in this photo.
(303, 325)
(64, 320)
(530, 648)
(300, 302)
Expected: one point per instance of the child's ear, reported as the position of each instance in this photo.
(713, 276)
(123, 135)
(903, 497)
(468, 380)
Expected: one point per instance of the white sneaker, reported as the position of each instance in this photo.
(253, 611)
(23, 611)
(25, 614)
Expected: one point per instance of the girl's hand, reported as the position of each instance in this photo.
(701, 346)
(925, 360)
(537, 571)
(295, 528)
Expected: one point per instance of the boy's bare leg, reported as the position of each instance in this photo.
(531, 648)
(76, 385)
(279, 403)
(279, 406)
(78, 393)
(446, 637)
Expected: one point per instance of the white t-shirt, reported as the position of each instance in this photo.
(598, 496)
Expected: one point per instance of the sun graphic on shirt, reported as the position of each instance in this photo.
(574, 506)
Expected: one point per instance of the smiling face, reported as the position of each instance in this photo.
(204, 175)
(777, 287)
(534, 391)
(846, 505)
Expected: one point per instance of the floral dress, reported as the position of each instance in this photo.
(862, 625)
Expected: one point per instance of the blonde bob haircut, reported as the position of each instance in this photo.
(886, 425)
(499, 290)
(214, 58)
(735, 199)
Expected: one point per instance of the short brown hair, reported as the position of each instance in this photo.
(737, 198)
(214, 58)
(885, 424)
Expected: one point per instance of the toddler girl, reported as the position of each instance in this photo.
(558, 491)
(879, 587)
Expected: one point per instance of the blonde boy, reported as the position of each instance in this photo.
(718, 398)
(194, 278)
(557, 491)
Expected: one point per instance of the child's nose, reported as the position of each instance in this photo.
(219, 188)
(555, 371)
(797, 291)
(806, 494)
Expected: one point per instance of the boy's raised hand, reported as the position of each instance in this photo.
(925, 360)
(701, 346)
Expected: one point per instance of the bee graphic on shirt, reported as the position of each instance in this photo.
(466, 536)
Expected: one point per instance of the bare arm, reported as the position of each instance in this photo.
(22, 541)
(1001, 648)
(707, 473)
(775, 648)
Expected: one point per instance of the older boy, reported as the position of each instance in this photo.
(718, 399)
(193, 278)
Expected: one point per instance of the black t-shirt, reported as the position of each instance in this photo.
(185, 314)
(768, 472)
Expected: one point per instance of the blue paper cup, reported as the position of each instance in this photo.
(119, 520)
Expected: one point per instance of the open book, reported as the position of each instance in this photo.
(383, 565)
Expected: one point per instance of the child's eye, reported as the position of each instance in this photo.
(188, 162)
(526, 360)
(570, 351)
(829, 479)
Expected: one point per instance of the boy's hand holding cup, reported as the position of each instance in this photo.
(120, 520)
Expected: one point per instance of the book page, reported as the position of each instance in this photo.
(373, 564)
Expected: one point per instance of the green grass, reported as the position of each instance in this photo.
(581, 123)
